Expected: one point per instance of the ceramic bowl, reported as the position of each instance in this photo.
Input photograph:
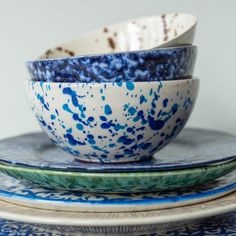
(147, 65)
(139, 34)
(112, 122)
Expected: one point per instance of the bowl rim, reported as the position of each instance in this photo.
(111, 84)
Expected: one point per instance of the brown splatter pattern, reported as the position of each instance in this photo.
(69, 52)
(163, 17)
(105, 30)
(111, 43)
(60, 49)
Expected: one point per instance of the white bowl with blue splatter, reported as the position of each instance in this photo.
(112, 122)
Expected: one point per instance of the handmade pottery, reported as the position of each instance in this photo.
(128, 122)
(148, 65)
(28, 195)
(222, 225)
(138, 34)
(132, 182)
(126, 223)
(192, 148)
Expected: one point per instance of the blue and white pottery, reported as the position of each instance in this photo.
(128, 223)
(16, 192)
(220, 225)
(112, 122)
(223, 225)
(146, 65)
(192, 148)
(138, 34)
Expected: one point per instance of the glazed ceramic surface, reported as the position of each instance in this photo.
(118, 223)
(27, 195)
(150, 65)
(192, 148)
(138, 34)
(133, 182)
(224, 225)
(113, 122)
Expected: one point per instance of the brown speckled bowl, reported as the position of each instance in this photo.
(140, 34)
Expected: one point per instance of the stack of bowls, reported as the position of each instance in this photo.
(111, 99)
(120, 93)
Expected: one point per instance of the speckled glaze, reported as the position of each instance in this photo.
(112, 122)
(192, 148)
(16, 192)
(134, 182)
(149, 65)
(138, 34)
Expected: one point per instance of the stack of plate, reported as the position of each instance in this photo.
(203, 158)
(110, 115)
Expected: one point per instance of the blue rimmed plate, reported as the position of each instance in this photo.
(192, 148)
(122, 223)
(14, 191)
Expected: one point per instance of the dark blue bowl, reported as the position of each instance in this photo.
(147, 65)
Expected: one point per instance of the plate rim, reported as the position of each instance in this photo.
(38, 216)
(225, 187)
(117, 205)
(116, 174)
(161, 167)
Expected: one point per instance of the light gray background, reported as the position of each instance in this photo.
(28, 27)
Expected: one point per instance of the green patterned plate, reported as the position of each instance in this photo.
(119, 182)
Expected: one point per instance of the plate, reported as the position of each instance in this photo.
(224, 225)
(192, 148)
(118, 223)
(28, 195)
(132, 182)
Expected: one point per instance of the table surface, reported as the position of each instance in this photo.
(223, 225)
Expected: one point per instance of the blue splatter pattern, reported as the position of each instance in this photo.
(112, 122)
(148, 65)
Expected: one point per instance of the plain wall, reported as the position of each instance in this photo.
(28, 27)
